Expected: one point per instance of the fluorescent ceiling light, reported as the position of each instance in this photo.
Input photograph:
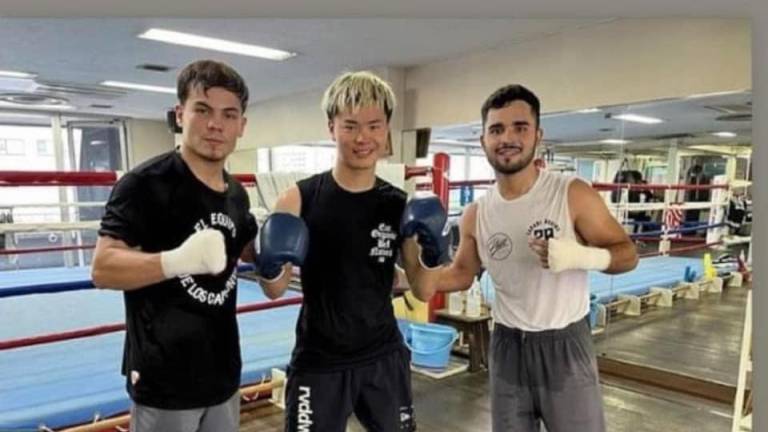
(214, 44)
(320, 143)
(15, 74)
(21, 115)
(725, 134)
(144, 87)
(36, 107)
(614, 141)
(587, 111)
(715, 94)
(637, 118)
(453, 142)
(725, 150)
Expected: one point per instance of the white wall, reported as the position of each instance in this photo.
(622, 61)
(242, 161)
(147, 138)
(290, 120)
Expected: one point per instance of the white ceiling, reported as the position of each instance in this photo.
(85, 52)
(384, 9)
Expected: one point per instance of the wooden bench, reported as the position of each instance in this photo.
(476, 331)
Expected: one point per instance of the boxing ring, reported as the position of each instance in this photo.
(73, 381)
(661, 274)
(61, 340)
(659, 271)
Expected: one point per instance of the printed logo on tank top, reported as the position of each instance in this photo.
(384, 237)
(499, 246)
(543, 229)
(194, 289)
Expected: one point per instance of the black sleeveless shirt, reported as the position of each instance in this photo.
(347, 317)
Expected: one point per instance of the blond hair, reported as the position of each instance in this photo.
(354, 90)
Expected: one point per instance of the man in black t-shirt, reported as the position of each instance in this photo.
(349, 355)
(170, 238)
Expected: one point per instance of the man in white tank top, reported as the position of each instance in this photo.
(537, 233)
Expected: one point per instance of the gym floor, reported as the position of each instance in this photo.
(696, 338)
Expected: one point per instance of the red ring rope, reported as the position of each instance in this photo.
(642, 186)
(57, 337)
(75, 178)
(57, 178)
(439, 172)
(598, 186)
(682, 249)
(108, 178)
(111, 328)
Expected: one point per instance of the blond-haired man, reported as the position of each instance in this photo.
(349, 355)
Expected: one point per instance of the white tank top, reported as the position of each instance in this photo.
(527, 296)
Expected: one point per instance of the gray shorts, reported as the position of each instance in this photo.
(547, 377)
(224, 417)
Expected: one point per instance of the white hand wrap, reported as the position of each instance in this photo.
(568, 254)
(204, 252)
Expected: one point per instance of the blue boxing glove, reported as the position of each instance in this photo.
(284, 239)
(426, 219)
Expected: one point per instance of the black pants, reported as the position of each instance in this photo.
(378, 393)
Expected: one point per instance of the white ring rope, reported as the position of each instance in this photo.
(48, 226)
(49, 204)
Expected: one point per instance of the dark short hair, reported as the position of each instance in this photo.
(208, 74)
(508, 94)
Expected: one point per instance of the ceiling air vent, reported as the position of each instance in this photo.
(71, 89)
(673, 136)
(154, 67)
(745, 108)
(734, 117)
(32, 99)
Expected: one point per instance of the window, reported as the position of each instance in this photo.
(12, 147)
(263, 164)
(44, 148)
(480, 169)
(302, 158)
(742, 168)
(14, 151)
(458, 170)
(585, 169)
(656, 174)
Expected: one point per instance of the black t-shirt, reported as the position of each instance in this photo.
(182, 335)
(347, 318)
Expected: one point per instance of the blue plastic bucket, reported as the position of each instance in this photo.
(690, 274)
(430, 344)
(405, 330)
